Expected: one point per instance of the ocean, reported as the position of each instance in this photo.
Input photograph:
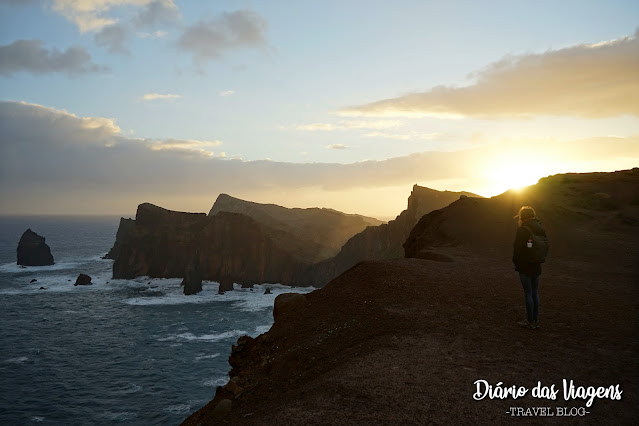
(118, 351)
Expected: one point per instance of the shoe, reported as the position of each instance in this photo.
(534, 325)
(525, 324)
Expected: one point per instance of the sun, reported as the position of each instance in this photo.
(512, 173)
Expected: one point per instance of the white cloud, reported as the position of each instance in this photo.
(159, 96)
(590, 81)
(406, 136)
(31, 56)
(348, 125)
(337, 146)
(92, 15)
(227, 93)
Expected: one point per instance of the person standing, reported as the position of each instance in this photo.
(529, 252)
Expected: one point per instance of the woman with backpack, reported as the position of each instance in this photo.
(529, 252)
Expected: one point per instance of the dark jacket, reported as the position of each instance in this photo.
(519, 248)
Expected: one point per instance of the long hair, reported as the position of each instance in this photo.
(525, 213)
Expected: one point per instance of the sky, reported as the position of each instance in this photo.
(106, 104)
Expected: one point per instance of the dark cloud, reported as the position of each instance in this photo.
(54, 161)
(231, 30)
(157, 13)
(114, 38)
(31, 56)
(590, 81)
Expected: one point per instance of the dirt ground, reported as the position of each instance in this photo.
(404, 341)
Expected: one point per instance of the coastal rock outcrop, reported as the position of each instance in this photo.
(83, 279)
(192, 283)
(237, 242)
(33, 251)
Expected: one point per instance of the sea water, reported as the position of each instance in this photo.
(118, 351)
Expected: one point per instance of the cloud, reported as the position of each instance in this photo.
(54, 161)
(92, 15)
(405, 136)
(18, 2)
(231, 30)
(155, 34)
(159, 12)
(158, 96)
(113, 37)
(589, 81)
(31, 56)
(227, 93)
(348, 125)
(337, 146)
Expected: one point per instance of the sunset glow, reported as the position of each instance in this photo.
(176, 102)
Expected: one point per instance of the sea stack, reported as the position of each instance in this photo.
(32, 250)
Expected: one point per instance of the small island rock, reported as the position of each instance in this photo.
(83, 279)
(33, 251)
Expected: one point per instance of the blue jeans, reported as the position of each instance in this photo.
(531, 285)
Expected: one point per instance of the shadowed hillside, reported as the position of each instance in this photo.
(402, 341)
(230, 246)
(323, 230)
(383, 241)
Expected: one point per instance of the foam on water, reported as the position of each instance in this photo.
(14, 268)
(218, 381)
(178, 408)
(18, 360)
(205, 337)
(197, 358)
(243, 299)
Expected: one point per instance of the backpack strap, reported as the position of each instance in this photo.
(532, 234)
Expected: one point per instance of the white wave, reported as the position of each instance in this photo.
(18, 360)
(205, 337)
(197, 358)
(243, 298)
(37, 419)
(13, 268)
(178, 408)
(261, 329)
(219, 381)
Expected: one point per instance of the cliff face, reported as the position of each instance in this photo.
(582, 213)
(322, 232)
(158, 243)
(229, 247)
(403, 340)
(383, 241)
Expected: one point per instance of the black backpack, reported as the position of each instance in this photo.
(539, 250)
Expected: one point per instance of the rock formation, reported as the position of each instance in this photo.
(33, 251)
(321, 232)
(125, 230)
(384, 241)
(228, 246)
(192, 283)
(83, 279)
(399, 341)
(567, 204)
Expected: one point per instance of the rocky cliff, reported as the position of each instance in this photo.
(322, 232)
(383, 241)
(229, 246)
(582, 213)
(402, 341)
